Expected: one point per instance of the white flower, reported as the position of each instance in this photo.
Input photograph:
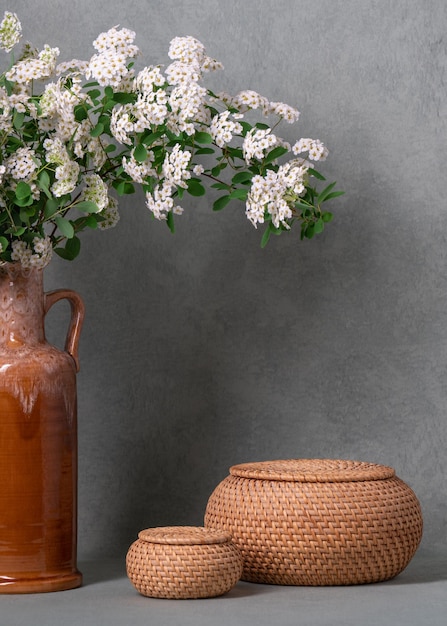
(179, 73)
(121, 40)
(95, 149)
(109, 66)
(248, 99)
(22, 164)
(72, 67)
(10, 31)
(148, 80)
(316, 150)
(190, 61)
(38, 255)
(120, 123)
(187, 103)
(5, 112)
(149, 109)
(139, 171)
(95, 191)
(175, 167)
(109, 214)
(288, 113)
(67, 171)
(161, 201)
(187, 50)
(257, 143)
(31, 69)
(198, 169)
(222, 128)
(270, 193)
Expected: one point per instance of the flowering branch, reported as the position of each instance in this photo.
(96, 130)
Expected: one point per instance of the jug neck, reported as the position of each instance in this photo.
(21, 306)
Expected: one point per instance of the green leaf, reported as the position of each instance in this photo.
(88, 207)
(315, 174)
(275, 154)
(23, 202)
(123, 187)
(25, 214)
(94, 94)
(173, 138)
(309, 231)
(3, 243)
(140, 153)
(170, 221)
(303, 207)
(64, 226)
(195, 187)
(218, 168)
(204, 151)
(91, 221)
(203, 137)
(23, 190)
(326, 216)
(235, 153)
(221, 203)
(80, 113)
(17, 231)
(51, 207)
(151, 137)
(246, 127)
(239, 194)
(326, 191)
(43, 182)
(108, 92)
(71, 250)
(334, 194)
(266, 236)
(318, 226)
(124, 98)
(97, 130)
(221, 186)
(242, 178)
(18, 120)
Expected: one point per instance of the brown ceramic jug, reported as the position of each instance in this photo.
(38, 438)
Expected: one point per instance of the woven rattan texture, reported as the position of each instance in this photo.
(184, 535)
(183, 571)
(313, 470)
(318, 533)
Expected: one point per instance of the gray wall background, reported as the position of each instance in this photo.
(200, 350)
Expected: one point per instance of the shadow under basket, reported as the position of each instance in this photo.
(317, 521)
(183, 562)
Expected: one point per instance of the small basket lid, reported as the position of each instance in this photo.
(184, 535)
(313, 470)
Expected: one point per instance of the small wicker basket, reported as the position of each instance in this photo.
(183, 562)
(317, 521)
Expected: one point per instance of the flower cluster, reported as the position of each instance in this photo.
(77, 135)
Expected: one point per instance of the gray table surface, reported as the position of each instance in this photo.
(418, 596)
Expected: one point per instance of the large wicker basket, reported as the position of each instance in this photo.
(183, 562)
(317, 521)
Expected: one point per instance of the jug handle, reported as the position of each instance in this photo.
(77, 318)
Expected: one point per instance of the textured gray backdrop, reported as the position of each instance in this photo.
(200, 350)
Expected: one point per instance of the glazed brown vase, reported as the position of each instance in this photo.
(38, 438)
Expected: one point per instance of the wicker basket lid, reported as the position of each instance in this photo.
(184, 535)
(313, 470)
